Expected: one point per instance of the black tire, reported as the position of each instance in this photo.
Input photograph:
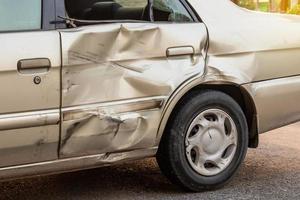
(171, 155)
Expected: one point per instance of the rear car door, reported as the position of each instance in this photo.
(116, 76)
(29, 82)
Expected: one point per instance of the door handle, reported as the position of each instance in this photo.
(180, 51)
(35, 65)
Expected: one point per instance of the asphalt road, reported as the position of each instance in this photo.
(270, 172)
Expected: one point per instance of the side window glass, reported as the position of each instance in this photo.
(170, 11)
(108, 9)
(16, 15)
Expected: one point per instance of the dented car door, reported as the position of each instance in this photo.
(116, 77)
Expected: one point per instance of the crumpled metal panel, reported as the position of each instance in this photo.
(126, 61)
(110, 128)
(108, 65)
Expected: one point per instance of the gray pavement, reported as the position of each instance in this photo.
(270, 172)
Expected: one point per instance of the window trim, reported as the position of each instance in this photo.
(47, 16)
(60, 11)
(192, 11)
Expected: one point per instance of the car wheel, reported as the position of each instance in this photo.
(205, 141)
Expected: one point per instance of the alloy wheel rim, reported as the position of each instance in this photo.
(211, 142)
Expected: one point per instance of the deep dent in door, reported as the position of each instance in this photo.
(116, 78)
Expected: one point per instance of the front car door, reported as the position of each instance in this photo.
(29, 82)
(117, 76)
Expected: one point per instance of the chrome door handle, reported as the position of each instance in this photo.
(180, 51)
(35, 65)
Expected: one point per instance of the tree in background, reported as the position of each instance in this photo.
(295, 7)
(283, 6)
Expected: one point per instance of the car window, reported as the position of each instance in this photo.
(20, 15)
(163, 10)
(108, 9)
(171, 11)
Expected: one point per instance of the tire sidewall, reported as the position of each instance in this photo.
(181, 125)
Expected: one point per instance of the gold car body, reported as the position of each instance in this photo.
(107, 91)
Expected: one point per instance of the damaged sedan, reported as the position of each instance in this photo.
(90, 83)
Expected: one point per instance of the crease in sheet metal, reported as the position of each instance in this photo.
(116, 63)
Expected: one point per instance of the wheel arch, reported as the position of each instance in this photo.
(237, 92)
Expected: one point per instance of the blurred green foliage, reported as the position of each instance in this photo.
(281, 6)
(264, 7)
(249, 4)
(295, 10)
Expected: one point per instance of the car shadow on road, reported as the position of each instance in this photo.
(135, 177)
(143, 180)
